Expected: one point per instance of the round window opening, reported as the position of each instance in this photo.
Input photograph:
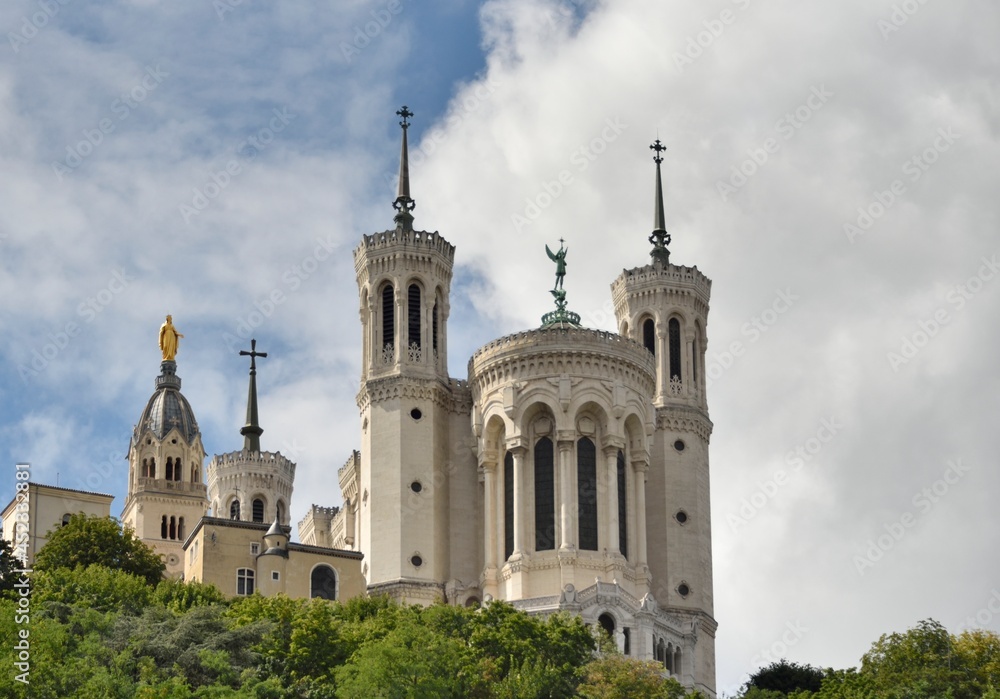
(417, 561)
(681, 516)
(416, 487)
(416, 414)
(679, 445)
(683, 590)
(173, 441)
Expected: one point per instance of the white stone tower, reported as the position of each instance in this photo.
(251, 485)
(665, 308)
(166, 494)
(415, 481)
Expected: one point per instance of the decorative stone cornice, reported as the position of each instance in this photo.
(683, 419)
(554, 352)
(687, 280)
(453, 397)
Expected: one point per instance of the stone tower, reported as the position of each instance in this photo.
(166, 494)
(251, 485)
(415, 484)
(664, 307)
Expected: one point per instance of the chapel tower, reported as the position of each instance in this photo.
(665, 307)
(166, 494)
(412, 477)
(251, 485)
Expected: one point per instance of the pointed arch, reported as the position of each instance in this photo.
(414, 315)
(388, 311)
(649, 335)
(674, 347)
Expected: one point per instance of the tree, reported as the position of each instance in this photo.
(87, 540)
(614, 676)
(786, 677)
(180, 596)
(8, 564)
(94, 587)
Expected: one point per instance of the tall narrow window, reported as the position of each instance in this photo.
(545, 496)
(622, 506)
(388, 318)
(173, 527)
(413, 316)
(194, 473)
(674, 337)
(586, 493)
(180, 528)
(163, 527)
(170, 468)
(508, 505)
(234, 510)
(258, 510)
(434, 327)
(244, 581)
(279, 512)
(695, 356)
(323, 582)
(649, 335)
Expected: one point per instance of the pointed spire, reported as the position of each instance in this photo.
(659, 238)
(252, 431)
(404, 204)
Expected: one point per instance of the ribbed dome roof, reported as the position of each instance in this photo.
(168, 408)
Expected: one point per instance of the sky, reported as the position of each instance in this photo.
(830, 166)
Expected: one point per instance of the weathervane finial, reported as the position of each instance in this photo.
(404, 203)
(659, 238)
(252, 430)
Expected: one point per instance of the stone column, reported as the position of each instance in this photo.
(566, 499)
(662, 361)
(400, 342)
(639, 472)
(490, 531)
(517, 452)
(611, 454)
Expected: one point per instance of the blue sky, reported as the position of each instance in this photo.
(832, 168)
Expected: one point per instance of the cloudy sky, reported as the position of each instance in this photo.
(831, 167)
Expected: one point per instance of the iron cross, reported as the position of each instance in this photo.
(253, 354)
(659, 148)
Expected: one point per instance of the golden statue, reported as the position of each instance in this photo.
(169, 340)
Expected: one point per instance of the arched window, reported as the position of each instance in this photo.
(508, 505)
(279, 511)
(244, 581)
(545, 496)
(674, 337)
(173, 527)
(323, 582)
(194, 473)
(607, 623)
(622, 505)
(234, 509)
(152, 467)
(413, 311)
(163, 527)
(586, 493)
(434, 327)
(180, 528)
(66, 518)
(170, 468)
(258, 510)
(388, 318)
(649, 335)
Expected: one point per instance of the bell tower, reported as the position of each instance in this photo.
(407, 403)
(166, 491)
(664, 307)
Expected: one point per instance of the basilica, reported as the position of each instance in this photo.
(568, 471)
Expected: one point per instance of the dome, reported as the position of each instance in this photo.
(168, 408)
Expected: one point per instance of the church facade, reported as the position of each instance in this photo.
(568, 471)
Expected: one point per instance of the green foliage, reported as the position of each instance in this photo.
(8, 564)
(616, 677)
(180, 596)
(84, 541)
(784, 677)
(95, 587)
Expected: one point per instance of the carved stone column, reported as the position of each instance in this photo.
(566, 500)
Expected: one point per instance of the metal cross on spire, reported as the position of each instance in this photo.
(659, 238)
(252, 430)
(404, 203)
